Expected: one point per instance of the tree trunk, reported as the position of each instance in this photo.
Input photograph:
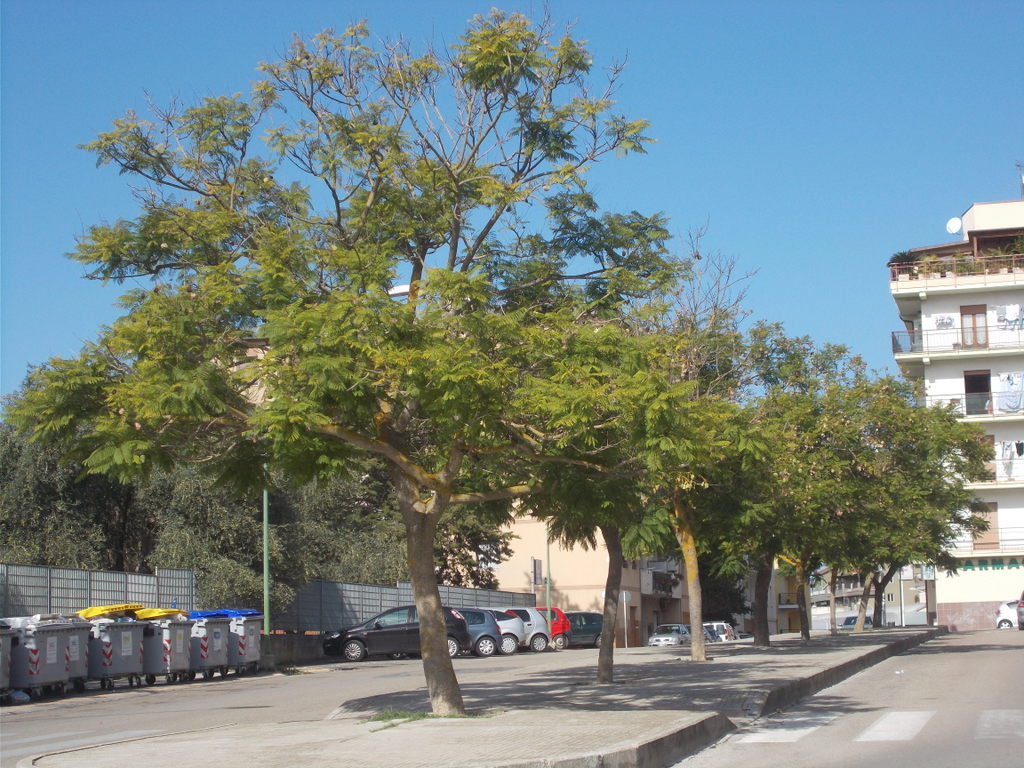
(762, 585)
(420, 524)
(833, 579)
(865, 593)
(880, 586)
(801, 600)
(612, 585)
(683, 521)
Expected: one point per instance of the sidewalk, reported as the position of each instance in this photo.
(661, 708)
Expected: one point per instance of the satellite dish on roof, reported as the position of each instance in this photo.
(953, 225)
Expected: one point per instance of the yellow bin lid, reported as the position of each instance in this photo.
(158, 613)
(98, 611)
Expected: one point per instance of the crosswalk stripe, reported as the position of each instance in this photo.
(896, 726)
(787, 731)
(1000, 724)
(48, 738)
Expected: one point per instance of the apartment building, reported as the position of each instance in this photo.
(652, 590)
(962, 305)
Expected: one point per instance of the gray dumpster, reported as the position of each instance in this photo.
(167, 649)
(77, 651)
(209, 643)
(244, 640)
(115, 651)
(6, 634)
(39, 654)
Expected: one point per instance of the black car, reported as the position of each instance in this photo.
(395, 633)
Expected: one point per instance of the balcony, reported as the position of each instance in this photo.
(1002, 541)
(1006, 470)
(1005, 335)
(962, 271)
(1008, 404)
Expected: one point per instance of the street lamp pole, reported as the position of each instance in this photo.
(266, 562)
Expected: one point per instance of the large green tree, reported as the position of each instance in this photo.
(271, 333)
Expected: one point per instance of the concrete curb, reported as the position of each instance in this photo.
(790, 693)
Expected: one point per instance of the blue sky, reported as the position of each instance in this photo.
(814, 139)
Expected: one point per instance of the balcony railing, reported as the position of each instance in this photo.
(1009, 402)
(1004, 334)
(1005, 468)
(1009, 539)
(959, 270)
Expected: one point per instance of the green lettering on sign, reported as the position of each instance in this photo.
(982, 564)
(997, 563)
(968, 565)
(1013, 563)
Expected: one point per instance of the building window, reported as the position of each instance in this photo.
(973, 327)
(990, 538)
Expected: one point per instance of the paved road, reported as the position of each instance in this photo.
(956, 701)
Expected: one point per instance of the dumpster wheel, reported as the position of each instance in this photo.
(150, 679)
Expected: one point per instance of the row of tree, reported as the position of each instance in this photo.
(540, 351)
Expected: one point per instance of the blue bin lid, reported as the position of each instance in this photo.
(208, 615)
(238, 612)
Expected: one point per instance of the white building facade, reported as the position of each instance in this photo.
(962, 305)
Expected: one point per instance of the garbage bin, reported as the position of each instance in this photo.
(244, 640)
(76, 651)
(209, 643)
(166, 644)
(38, 654)
(6, 634)
(115, 651)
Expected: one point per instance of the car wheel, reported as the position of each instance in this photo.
(560, 642)
(538, 643)
(485, 646)
(453, 647)
(1004, 624)
(353, 650)
(509, 645)
(597, 640)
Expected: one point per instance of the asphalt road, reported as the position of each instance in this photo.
(955, 701)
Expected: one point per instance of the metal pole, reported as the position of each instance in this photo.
(266, 563)
(547, 580)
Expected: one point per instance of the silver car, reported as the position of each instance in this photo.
(537, 633)
(513, 631)
(670, 634)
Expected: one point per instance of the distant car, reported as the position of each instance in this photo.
(484, 632)
(1006, 614)
(850, 622)
(537, 636)
(394, 633)
(670, 634)
(513, 631)
(723, 630)
(1020, 612)
(561, 629)
(586, 627)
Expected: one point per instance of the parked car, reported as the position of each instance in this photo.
(537, 634)
(1006, 614)
(586, 627)
(1020, 612)
(561, 629)
(484, 632)
(513, 632)
(851, 621)
(670, 634)
(721, 629)
(394, 632)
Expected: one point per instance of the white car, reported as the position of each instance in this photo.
(1006, 615)
(536, 626)
(670, 634)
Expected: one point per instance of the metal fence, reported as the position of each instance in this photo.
(26, 590)
(320, 606)
(323, 606)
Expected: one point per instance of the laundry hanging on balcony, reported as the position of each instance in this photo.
(1011, 392)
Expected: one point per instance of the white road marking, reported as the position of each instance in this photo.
(896, 726)
(1000, 724)
(790, 729)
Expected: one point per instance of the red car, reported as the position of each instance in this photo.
(561, 629)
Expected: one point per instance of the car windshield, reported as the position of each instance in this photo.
(667, 629)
